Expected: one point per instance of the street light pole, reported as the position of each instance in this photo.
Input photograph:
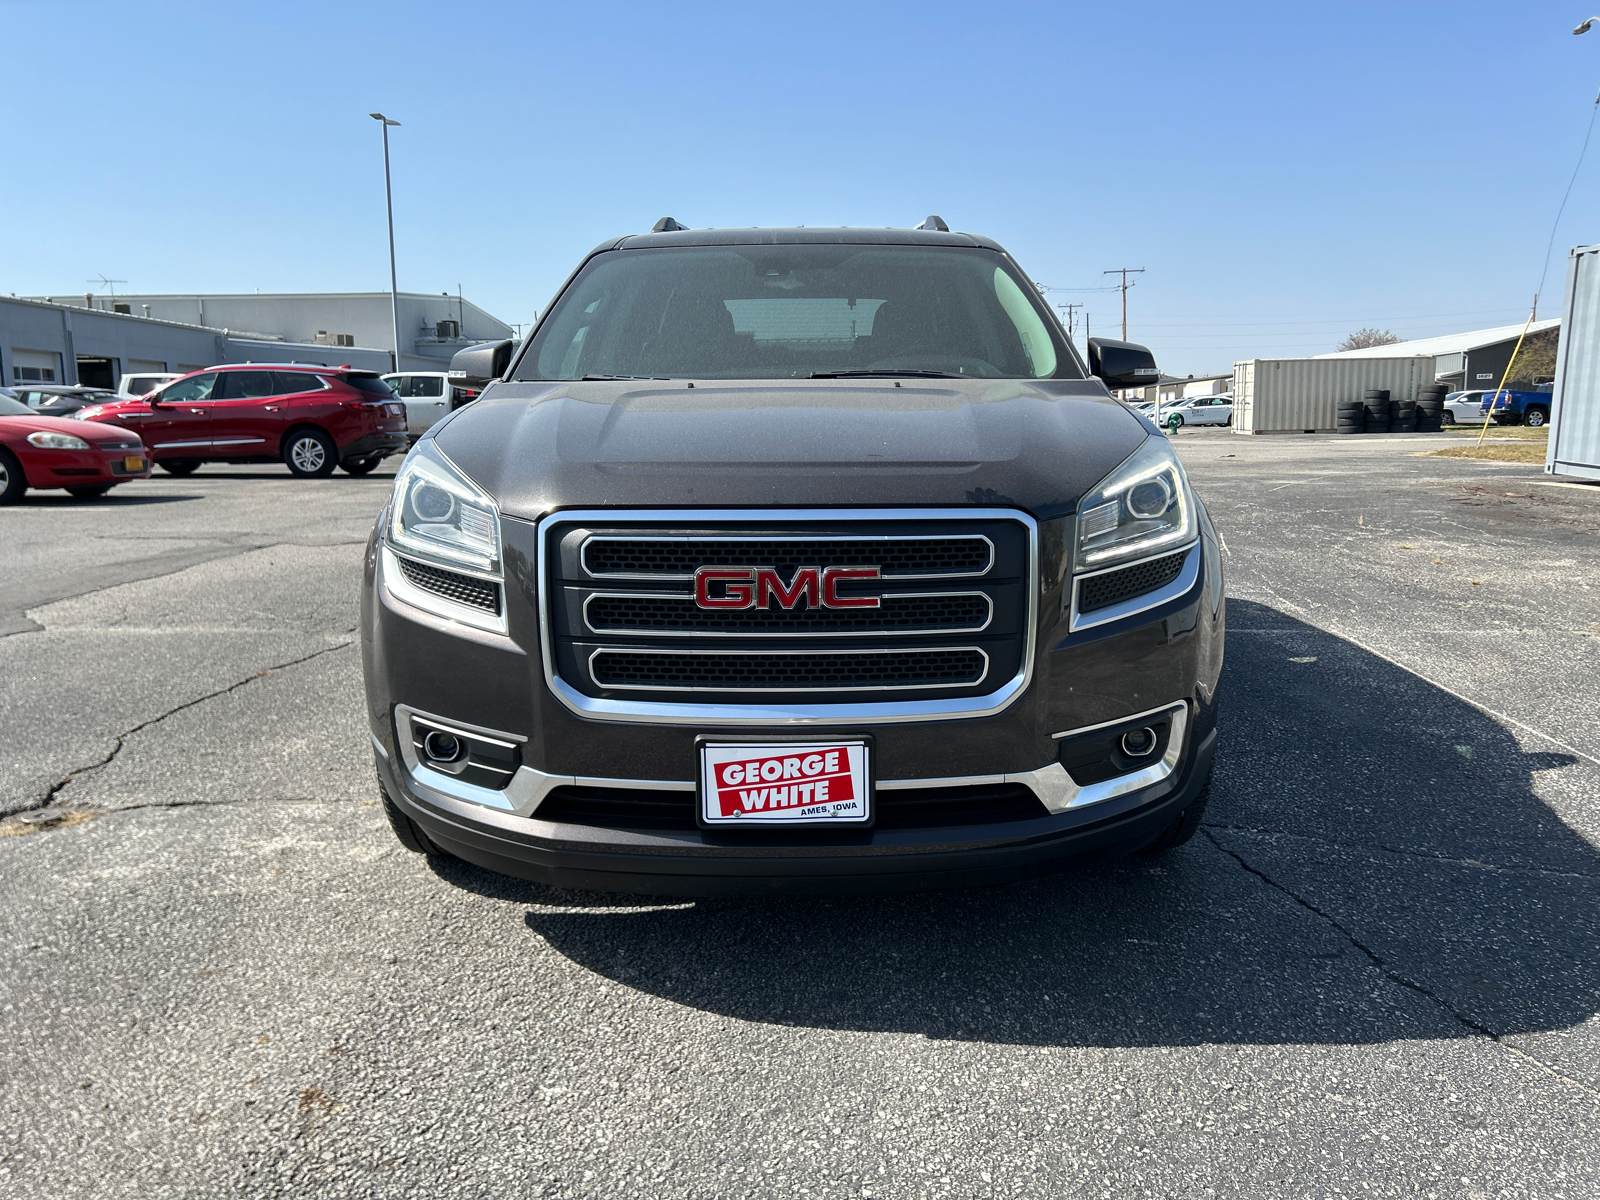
(388, 197)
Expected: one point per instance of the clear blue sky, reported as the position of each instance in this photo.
(1285, 172)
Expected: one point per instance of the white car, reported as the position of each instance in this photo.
(1463, 408)
(1198, 410)
(142, 382)
(428, 397)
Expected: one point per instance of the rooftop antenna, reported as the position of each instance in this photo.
(109, 283)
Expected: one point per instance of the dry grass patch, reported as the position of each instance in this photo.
(1527, 452)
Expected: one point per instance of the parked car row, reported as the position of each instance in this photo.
(312, 419)
(1195, 410)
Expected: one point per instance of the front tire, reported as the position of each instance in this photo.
(1184, 826)
(310, 454)
(12, 481)
(180, 466)
(408, 831)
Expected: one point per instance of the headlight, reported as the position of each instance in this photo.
(56, 441)
(1140, 509)
(440, 514)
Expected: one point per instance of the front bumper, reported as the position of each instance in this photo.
(701, 864)
(82, 468)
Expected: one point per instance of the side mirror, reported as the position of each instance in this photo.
(477, 365)
(1122, 364)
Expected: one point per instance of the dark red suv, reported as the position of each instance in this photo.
(309, 418)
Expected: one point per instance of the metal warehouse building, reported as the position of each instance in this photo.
(96, 339)
(1465, 361)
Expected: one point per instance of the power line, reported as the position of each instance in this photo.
(1556, 224)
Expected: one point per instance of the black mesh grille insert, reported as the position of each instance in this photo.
(1101, 591)
(897, 556)
(932, 808)
(618, 808)
(625, 614)
(463, 589)
(788, 672)
(918, 808)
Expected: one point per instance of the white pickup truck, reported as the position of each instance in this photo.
(428, 396)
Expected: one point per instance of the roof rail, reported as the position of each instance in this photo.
(936, 224)
(667, 225)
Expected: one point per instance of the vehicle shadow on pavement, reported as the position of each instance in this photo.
(1375, 866)
(116, 499)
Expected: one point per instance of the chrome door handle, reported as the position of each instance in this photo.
(272, 408)
(198, 410)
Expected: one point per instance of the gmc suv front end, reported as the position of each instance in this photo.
(793, 560)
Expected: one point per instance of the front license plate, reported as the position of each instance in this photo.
(785, 783)
(133, 463)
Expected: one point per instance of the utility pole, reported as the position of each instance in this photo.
(1123, 288)
(1071, 329)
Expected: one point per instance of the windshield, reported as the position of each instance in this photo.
(796, 311)
(14, 408)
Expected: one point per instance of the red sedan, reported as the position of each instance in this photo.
(54, 452)
(312, 419)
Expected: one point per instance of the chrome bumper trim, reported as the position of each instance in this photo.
(528, 788)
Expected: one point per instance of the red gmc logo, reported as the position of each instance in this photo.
(756, 587)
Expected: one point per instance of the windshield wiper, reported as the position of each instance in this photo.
(598, 378)
(883, 374)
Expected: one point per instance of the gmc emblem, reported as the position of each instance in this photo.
(755, 587)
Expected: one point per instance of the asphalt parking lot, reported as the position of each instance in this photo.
(1376, 973)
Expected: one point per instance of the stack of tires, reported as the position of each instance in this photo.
(1351, 419)
(1375, 404)
(1430, 408)
(1403, 416)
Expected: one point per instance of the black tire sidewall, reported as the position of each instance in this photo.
(330, 454)
(16, 480)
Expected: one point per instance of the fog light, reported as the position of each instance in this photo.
(1138, 743)
(441, 747)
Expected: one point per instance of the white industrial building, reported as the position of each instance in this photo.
(324, 328)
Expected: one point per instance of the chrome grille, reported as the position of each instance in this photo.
(958, 612)
(952, 634)
(679, 557)
(805, 671)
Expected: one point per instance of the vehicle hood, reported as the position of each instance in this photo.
(21, 427)
(1034, 445)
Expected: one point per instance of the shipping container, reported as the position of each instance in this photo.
(1574, 447)
(1301, 395)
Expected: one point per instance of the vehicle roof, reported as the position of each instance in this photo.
(800, 235)
(342, 369)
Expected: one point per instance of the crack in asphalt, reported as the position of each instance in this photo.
(1394, 976)
(228, 550)
(1425, 855)
(122, 738)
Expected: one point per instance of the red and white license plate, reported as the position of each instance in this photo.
(785, 783)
